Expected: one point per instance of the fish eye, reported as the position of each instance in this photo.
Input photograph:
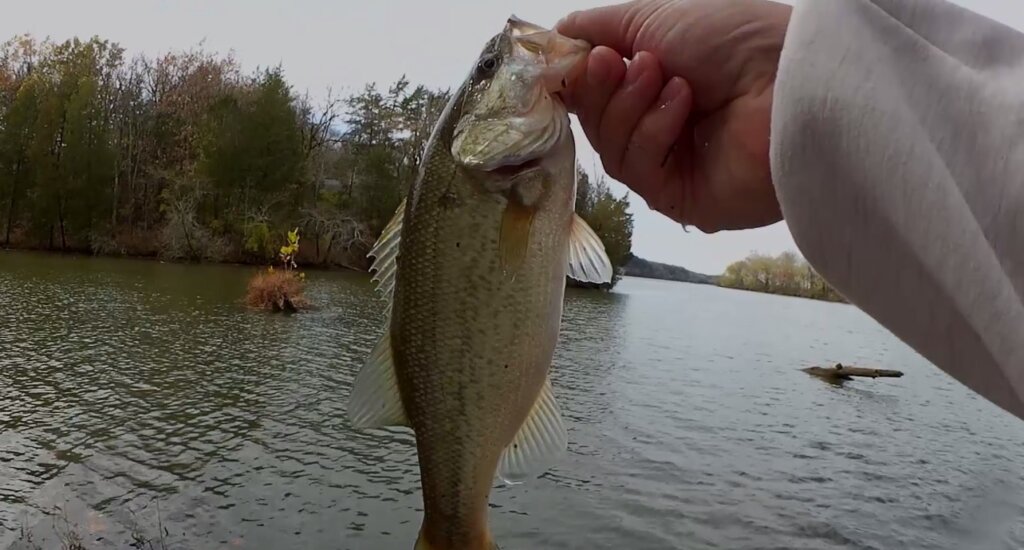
(488, 64)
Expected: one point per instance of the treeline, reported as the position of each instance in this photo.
(783, 274)
(609, 217)
(639, 267)
(186, 156)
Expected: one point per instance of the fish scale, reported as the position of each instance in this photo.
(476, 289)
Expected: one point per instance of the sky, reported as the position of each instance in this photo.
(344, 44)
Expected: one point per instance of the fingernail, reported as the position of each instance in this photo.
(672, 91)
(634, 71)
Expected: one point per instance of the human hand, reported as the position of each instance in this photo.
(686, 125)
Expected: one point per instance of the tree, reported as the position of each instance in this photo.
(384, 145)
(608, 216)
(16, 138)
(253, 156)
(785, 274)
(186, 156)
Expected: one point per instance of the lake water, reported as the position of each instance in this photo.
(141, 394)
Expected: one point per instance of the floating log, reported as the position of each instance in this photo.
(842, 372)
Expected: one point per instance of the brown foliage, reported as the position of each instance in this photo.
(273, 290)
(785, 274)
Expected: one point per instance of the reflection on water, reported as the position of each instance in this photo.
(130, 388)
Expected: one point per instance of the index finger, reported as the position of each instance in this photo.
(613, 26)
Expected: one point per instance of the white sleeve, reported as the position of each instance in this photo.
(897, 153)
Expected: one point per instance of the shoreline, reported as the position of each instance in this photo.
(785, 295)
(347, 269)
(156, 258)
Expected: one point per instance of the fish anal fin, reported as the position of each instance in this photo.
(375, 401)
(541, 440)
(588, 260)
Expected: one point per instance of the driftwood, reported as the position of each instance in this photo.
(842, 372)
(284, 304)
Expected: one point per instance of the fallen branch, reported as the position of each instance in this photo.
(841, 372)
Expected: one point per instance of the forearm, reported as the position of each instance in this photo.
(898, 157)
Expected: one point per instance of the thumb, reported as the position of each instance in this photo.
(613, 26)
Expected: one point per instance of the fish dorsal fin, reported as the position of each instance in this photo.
(385, 254)
(588, 261)
(540, 442)
(374, 401)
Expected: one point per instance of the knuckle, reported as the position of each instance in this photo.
(639, 144)
(569, 20)
(643, 15)
(610, 167)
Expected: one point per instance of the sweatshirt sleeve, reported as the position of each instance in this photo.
(897, 153)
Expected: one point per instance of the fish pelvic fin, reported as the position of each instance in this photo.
(540, 442)
(588, 260)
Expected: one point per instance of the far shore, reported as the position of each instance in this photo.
(705, 280)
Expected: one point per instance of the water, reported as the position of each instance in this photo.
(141, 394)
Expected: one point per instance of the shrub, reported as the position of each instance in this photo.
(277, 290)
(257, 240)
(280, 290)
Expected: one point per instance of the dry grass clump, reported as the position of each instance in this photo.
(280, 290)
(277, 290)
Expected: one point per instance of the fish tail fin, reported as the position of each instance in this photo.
(423, 544)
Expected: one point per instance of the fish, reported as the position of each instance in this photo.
(472, 268)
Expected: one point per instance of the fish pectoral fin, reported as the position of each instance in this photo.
(514, 239)
(540, 442)
(385, 254)
(588, 261)
(375, 401)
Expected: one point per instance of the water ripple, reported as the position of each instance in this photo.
(134, 390)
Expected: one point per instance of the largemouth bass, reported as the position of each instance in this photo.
(473, 268)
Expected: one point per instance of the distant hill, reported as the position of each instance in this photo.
(639, 267)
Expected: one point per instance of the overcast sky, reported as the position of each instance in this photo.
(346, 43)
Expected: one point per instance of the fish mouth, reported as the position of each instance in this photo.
(524, 117)
(516, 24)
(560, 57)
(526, 33)
(510, 170)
